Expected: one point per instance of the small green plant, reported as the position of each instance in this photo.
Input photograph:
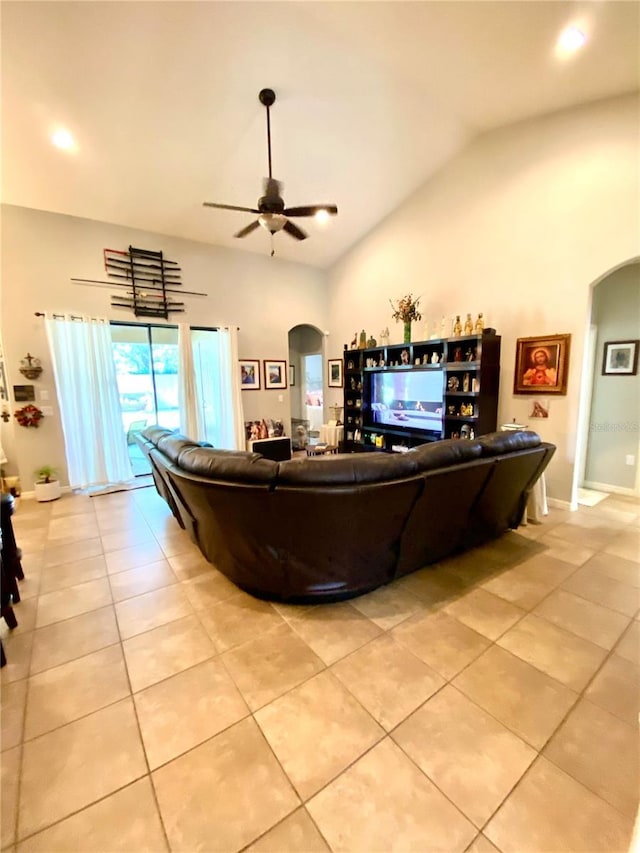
(45, 473)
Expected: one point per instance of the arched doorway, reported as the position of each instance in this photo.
(305, 384)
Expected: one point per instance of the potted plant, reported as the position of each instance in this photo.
(47, 486)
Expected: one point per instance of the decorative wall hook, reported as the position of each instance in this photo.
(30, 366)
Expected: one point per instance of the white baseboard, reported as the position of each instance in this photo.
(31, 495)
(614, 490)
(558, 504)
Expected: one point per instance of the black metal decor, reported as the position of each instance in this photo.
(148, 277)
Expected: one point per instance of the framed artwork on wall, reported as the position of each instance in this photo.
(292, 374)
(542, 365)
(335, 373)
(275, 374)
(250, 375)
(620, 358)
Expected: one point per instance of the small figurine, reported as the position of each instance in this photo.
(404, 356)
(465, 382)
(470, 355)
(468, 325)
(435, 359)
(354, 341)
(479, 327)
(457, 355)
(457, 327)
(443, 327)
(384, 337)
(425, 359)
(371, 343)
(381, 361)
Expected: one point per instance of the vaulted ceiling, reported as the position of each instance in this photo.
(372, 99)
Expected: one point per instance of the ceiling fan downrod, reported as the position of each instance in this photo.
(267, 97)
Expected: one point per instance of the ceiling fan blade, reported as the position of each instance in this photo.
(230, 207)
(310, 210)
(296, 232)
(247, 229)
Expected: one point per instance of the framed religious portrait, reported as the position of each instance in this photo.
(250, 375)
(275, 374)
(620, 358)
(542, 365)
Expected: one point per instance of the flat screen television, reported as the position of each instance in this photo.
(408, 400)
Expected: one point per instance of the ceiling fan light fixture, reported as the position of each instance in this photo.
(272, 222)
(322, 216)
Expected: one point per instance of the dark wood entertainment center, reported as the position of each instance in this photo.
(469, 367)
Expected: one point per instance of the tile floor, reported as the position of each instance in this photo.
(489, 703)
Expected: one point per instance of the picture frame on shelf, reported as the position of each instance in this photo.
(275, 374)
(250, 374)
(620, 358)
(334, 373)
(292, 375)
(542, 365)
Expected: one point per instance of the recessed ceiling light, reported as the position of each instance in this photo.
(570, 40)
(322, 217)
(63, 139)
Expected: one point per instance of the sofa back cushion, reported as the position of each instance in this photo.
(506, 441)
(228, 465)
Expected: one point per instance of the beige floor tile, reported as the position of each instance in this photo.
(295, 834)
(387, 606)
(26, 612)
(470, 756)
(601, 752)
(481, 844)
(625, 544)
(593, 537)
(207, 590)
(189, 564)
(238, 762)
(143, 579)
(383, 802)
(401, 682)
(629, 646)
(485, 613)
(590, 583)
(69, 768)
(115, 520)
(72, 601)
(581, 617)
(525, 700)
(72, 528)
(565, 657)
(550, 811)
(174, 543)
(616, 568)
(150, 610)
(71, 503)
(433, 586)
(187, 709)
(124, 822)
(122, 540)
(165, 651)
(71, 574)
(334, 630)
(238, 619)
(520, 587)
(73, 638)
(568, 552)
(316, 730)
(58, 554)
(443, 643)
(70, 691)
(17, 648)
(132, 558)
(13, 699)
(10, 774)
(29, 588)
(616, 688)
(268, 666)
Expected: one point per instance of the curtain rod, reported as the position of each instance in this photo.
(125, 323)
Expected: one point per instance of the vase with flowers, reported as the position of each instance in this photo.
(407, 311)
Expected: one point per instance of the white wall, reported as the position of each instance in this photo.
(41, 252)
(518, 226)
(615, 403)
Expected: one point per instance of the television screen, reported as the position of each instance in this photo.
(409, 400)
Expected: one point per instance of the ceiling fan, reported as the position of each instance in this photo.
(273, 215)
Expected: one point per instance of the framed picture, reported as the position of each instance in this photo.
(275, 374)
(335, 373)
(292, 374)
(620, 358)
(542, 365)
(250, 375)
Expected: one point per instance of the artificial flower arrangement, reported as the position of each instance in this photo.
(406, 309)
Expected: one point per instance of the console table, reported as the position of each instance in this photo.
(331, 434)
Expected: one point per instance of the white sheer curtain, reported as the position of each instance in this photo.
(218, 387)
(85, 377)
(191, 409)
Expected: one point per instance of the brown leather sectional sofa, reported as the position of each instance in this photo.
(329, 528)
